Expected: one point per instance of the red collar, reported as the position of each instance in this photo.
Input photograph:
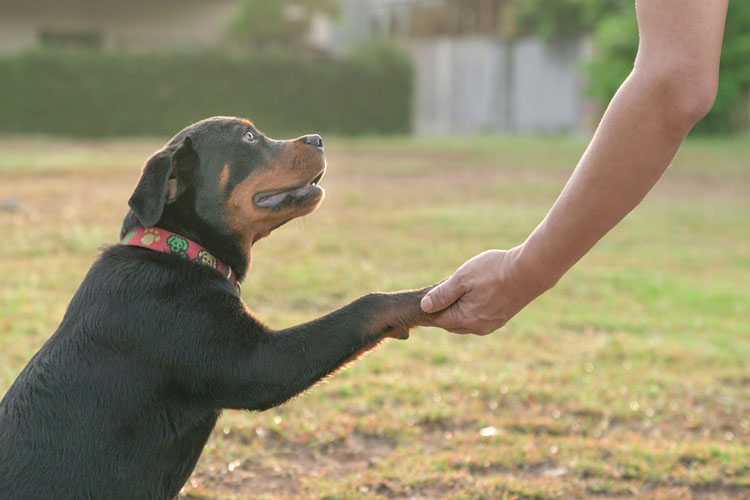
(165, 241)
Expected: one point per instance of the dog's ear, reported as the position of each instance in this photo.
(163, 180)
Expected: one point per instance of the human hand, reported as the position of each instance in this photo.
(482, 295)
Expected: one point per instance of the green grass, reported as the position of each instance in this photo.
(629, 379)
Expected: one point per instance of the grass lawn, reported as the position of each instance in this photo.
(630, 379)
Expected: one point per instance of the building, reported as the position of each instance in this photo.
(112, 24)
(472, 75)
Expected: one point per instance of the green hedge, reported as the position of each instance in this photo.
(99, 94)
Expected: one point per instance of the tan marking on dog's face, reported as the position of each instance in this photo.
(224, 177)
(245, 121)
(171, 190)
(297, 165)
(172, 184)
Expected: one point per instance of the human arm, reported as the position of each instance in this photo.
(672, 86)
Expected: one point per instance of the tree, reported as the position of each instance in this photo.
(556, 19)
(614, 31)
(282, 22)
(615, 40)
(258, 22)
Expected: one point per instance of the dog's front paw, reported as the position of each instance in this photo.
(398, 332)
(405, 313)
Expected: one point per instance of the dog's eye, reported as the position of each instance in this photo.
(248, 137)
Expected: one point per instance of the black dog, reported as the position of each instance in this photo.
(120, 401)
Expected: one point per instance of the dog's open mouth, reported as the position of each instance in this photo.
(275, 198)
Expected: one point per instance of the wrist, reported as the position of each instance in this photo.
(532, 272)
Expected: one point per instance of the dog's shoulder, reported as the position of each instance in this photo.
(129, 270)
(129, 293)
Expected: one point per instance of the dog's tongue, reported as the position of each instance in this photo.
(278, 198)
(272, 200)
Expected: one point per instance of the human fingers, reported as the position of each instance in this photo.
(447, 319)
(456, 319)
(443, 295)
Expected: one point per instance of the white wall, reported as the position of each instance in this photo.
(546, 86)
(475, 85)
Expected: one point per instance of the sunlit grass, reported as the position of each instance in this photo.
(630, 378)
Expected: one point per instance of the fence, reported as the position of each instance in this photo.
(474, 85)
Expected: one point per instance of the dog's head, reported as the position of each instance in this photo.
(222, 179)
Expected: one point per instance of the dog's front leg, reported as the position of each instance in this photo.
(287, 362)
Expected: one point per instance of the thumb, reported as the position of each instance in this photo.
(443, 295)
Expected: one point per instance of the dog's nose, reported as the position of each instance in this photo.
(313, 140)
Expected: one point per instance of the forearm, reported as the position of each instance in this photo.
(628, 154)
(289, 361)
(671, 87)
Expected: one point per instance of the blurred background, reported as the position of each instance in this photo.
(450, 127)
(428, 67)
